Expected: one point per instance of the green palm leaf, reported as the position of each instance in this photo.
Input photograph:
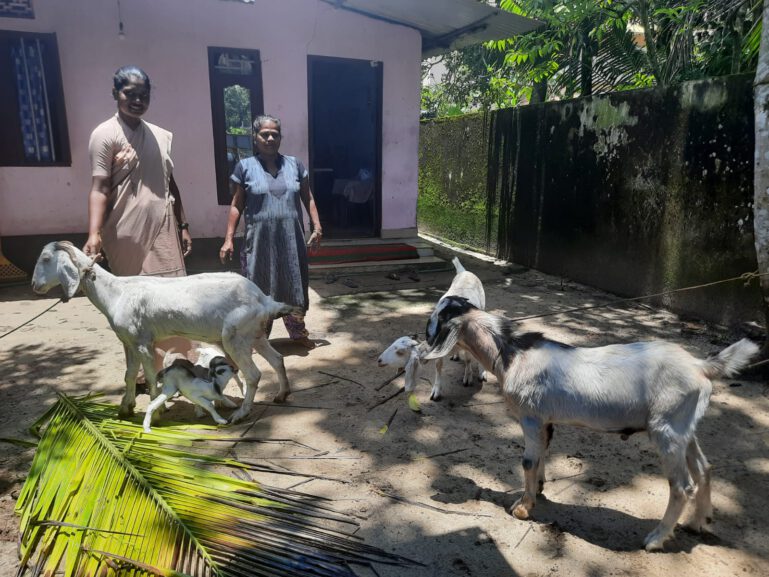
(104, 498)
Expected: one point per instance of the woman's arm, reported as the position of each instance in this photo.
(181, 220)
(309, 204)
(236, 209)
(97, 209)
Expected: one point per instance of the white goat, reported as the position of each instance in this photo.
(406, 353)
(183, 377)
(655, 387)
(465, 284)
(225, 309)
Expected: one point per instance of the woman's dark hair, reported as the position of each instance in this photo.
(126, 74)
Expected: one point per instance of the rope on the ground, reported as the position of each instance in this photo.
(747, 277)
(30, 320)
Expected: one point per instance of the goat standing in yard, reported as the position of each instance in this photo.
(225, 309)
(467, 285)
(655, 387)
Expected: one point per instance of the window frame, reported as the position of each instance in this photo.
(11, 141)
(218, 82)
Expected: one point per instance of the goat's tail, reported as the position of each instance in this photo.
(728, 362)
(457, 265)
(277, 309)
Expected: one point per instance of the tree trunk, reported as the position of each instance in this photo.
(538, 92)
(651, 43)
(761, 167)
(586, 71)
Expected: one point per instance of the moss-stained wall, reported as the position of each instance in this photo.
(636, 192)
(452, 180)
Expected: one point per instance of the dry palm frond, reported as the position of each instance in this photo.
(104, 498)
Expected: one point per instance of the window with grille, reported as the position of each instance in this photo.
(235, 76)
(32, 111)
(16, 9)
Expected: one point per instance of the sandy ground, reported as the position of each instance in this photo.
(436, 485)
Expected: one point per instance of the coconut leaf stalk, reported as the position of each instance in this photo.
(104, 498)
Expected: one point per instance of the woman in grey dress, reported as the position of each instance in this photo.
(269, 189)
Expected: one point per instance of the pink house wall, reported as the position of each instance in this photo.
(169, 39)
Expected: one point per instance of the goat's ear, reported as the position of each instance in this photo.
(69, 275)
(445, 341)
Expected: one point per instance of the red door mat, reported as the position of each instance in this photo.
(362, 253)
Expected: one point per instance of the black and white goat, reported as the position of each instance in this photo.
(224, 309)
(181, 376)
(467, 285)
(655, 387)
(206, 354)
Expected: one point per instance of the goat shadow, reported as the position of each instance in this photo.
(614, 530)
(600, 526)
(288, 348)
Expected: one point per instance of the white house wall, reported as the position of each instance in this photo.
(169, 39)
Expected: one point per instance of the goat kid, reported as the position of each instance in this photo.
(224, 309)
(208, 354)
(406, 353)
(181, 376)
(467, 285)
(655, 387)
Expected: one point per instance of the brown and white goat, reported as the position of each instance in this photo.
(655, 387)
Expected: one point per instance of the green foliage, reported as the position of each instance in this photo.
(237, 109)
(593, 46)
(104, 498)
(452, 176)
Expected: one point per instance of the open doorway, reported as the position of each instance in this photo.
(345, 117)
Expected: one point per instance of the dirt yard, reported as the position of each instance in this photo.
(436, 485)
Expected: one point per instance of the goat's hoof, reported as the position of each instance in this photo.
(654, 546)
(435, 397)
(519, 511)
(125, 412)
(147, 430)
(654, 542)
(699, 526)
(238, 415)
(221, 421)
(280, 398)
